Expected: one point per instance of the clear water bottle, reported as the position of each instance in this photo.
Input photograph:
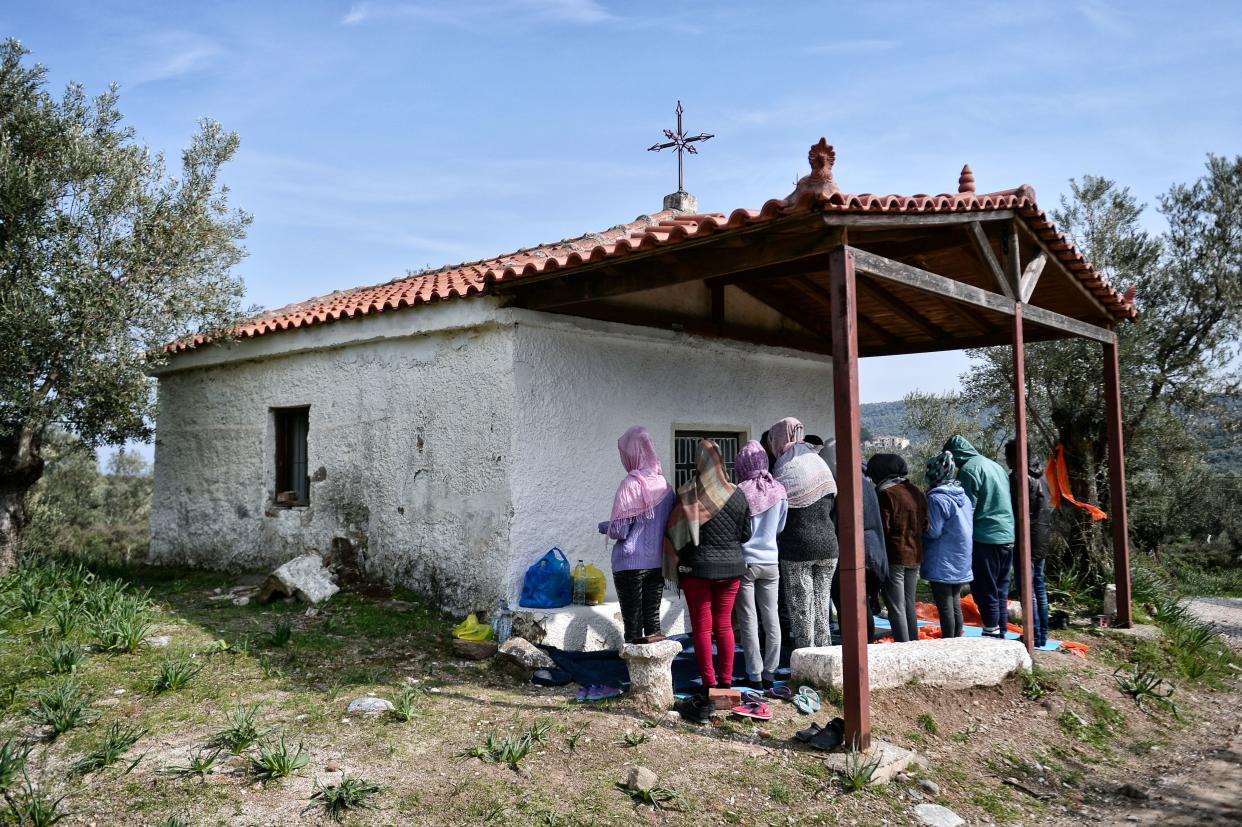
(503, 624)
(580, 584)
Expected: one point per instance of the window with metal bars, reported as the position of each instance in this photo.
(292, 478)
(686, 447)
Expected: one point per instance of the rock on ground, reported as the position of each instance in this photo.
(305, 578)
(641, 779)
(525, 654)
(369, 705)
(933, 815)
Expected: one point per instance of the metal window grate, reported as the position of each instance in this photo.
(686, 445)
(292, 427)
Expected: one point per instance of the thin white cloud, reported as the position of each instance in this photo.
(172, 55)
(477, 14)
(862, 46)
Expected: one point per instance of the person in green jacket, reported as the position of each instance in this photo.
(987, 487)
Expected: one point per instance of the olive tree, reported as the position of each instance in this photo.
(105, 256)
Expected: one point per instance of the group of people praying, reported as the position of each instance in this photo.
(763, 541)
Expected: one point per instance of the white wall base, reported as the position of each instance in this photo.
(589, 628)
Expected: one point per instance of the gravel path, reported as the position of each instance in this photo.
(1225, 612)
(1206, 787)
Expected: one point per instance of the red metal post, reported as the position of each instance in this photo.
(849, 498)
(1117, 483)
(1022, 504)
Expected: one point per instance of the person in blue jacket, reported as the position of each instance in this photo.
(948, 542)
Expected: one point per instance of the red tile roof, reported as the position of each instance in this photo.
(814, 192)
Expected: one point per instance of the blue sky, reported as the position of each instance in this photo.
(384, 136)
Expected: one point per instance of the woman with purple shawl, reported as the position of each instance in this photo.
(640, 510)
(768, 504)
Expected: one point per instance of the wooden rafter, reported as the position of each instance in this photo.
(817, 294)
(983, 247)
(1065, 271)
(900, 308)
(1030, 276)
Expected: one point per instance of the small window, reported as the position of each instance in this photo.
(292, 480)
(686, 447)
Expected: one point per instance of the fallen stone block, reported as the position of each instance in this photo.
(933, 815)
(525, 654)
(474, 649)
(640, 779)
(305, 578)
(956, 663)
(369, 705)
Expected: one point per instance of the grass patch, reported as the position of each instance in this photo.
(928, 724)
(118, 740)
(350, 794)
(61, 656)
(62, 706)
(200, 763)
(275, 760)
(858, 771)
(242, 730)
(32, 806)
(13, 756)
(1039, 683)
(282, 633)
(174, 674)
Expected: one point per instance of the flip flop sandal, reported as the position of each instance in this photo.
(750, 696)
(603, 693)
(805, 735)
(830, 737)
(754, 709)
(780, 693)
(807, 700)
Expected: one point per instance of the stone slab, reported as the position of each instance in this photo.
(589, 628)
(893, 759)
(305, 578)
(952, 664)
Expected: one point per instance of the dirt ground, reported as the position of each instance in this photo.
(1201, 781)
(1056, 750)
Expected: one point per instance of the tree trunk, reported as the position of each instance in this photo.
(20, 468)
(1087, 553)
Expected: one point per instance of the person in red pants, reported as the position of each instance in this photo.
(703, 555)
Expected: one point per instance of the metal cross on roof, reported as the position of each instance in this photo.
(683, 143)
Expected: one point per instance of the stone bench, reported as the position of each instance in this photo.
(956, 663)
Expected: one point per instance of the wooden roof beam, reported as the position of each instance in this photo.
(900, 308)
(1065, 271)
(895, 271)
(983, 248)
(815, 293)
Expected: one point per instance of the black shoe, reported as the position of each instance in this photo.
(767, 685)
(695, 708)
(830, 737)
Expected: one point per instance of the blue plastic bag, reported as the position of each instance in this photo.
(547, 584)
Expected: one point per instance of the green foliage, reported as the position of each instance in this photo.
(35, 806)
(13, 755)
(1038, 683)
(658, 797)
(106, 257)
(118, 740)
(928, 724)
(61, 656)
(350, 794)
(634, 739)
(1143, 684)
(282, 633)
(174, 674)
(574, 737)
(62, 706)
(64, 617)
(405, 707)
(507, 749)
(858, 770)
(242, 730)
(200, 763)
(275, 760)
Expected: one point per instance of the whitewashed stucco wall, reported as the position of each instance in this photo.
(408, 444)
(579, 384)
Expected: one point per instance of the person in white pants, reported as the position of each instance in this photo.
(757, 599)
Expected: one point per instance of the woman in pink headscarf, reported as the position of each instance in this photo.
(757, 597)
(640, 509)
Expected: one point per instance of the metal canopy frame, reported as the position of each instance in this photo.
(816, 269)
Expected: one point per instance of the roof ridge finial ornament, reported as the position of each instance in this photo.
(966, 181)
(820, 181)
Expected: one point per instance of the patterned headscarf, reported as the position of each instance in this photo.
(644, 486)
(757, 483)
(699, 499)
(941, 469)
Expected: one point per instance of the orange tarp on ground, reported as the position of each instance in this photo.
(970, 614)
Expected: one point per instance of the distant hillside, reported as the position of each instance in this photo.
(883, 417)
(1220, 430)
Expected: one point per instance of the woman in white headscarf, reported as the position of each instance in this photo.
(807, 548)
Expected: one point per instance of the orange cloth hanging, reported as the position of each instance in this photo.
(1058, 483)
